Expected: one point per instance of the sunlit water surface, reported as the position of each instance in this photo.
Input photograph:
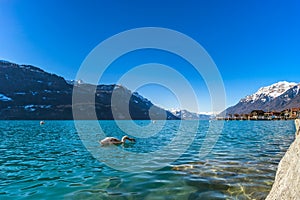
(51, 162)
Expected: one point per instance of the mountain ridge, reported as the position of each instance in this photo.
(28, 92)
(276, 97)
(269, 92)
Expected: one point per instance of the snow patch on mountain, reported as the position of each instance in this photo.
(296, 89)
(4, 98)
(74, 82)
(291, 93)
(141, 98)
(269, 93)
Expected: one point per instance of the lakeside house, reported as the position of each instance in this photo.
(257, 114)
(287, 114)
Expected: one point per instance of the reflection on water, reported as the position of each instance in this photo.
(50, 161)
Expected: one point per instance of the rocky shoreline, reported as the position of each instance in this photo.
(286, 185)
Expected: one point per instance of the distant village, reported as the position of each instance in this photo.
(288, 114)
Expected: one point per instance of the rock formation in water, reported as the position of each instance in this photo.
(287, 180)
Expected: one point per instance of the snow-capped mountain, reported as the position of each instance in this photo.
(187, 115)
(276, 97)
(269, 93)
(289, 99)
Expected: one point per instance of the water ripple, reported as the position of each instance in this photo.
(50, 162)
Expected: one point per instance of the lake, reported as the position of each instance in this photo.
(52, 161)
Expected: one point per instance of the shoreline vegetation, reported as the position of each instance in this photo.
(287, 114)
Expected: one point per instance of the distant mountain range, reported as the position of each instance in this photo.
(276, 97)
(187, 115)
(28, 92)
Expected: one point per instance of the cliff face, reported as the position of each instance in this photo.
(286, 185)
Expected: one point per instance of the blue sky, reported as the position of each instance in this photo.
(253, 43)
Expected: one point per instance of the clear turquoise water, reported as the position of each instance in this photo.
(50, 162)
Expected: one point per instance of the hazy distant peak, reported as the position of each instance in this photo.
(187, 115)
